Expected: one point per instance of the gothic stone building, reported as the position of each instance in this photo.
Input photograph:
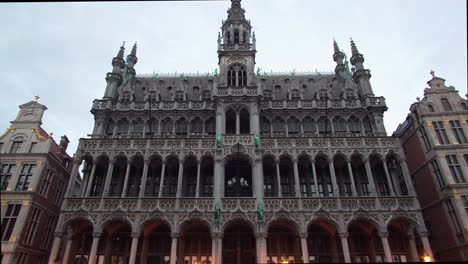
(434, 136)
(240, 167)
(33, 178)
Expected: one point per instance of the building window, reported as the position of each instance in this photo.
(206, 95)
(354, 125)
(33, 147)
(438, 173)
(166, 126)
(465, 202)
(22, 258)
(35, 215)
(339, 126)
(349, 94)
(466, 159)
(268, 94)
(295, 94)
(16, 146)
(196, 126)
(9, 220)
(294, 126)
(179, 96)
(455, 221)
(278, 125)
(458, 131)
(5, 175)
(324, 126)
(46, 183)
(445, 104)
(48, 232)
(25, 177)
(425, 138)
(455, 169)
(181, 127)
(431, 108)
(309, 125)
(210, 126)
(440, 132)
(463, 106)
(59, 193)
(237, 76)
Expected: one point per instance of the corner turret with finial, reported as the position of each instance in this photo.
(360, 75)
(118, 62)
(338, 57)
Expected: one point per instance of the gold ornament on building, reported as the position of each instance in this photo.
(38, 135)
(8, 131)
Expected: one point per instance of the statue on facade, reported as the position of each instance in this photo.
(217, 213)
(260, 212)
(219, 138)
(257, 142)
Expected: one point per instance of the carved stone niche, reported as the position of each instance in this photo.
(238, 149)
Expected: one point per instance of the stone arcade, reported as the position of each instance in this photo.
(240, 167)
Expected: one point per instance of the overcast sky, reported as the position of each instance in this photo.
(62, 51)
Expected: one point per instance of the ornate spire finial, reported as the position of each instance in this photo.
(335, 46)
(354, 49)
(120, 54)
(432, 73)
(134, 49)
(36, 98)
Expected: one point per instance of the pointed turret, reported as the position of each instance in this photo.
(132, 58)
(118, 61)
(114, 78)
(338, 57)
(360, 75)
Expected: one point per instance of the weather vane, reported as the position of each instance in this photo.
(432, 73)
(36, 98)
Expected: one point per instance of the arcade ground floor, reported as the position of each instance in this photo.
(238, 241)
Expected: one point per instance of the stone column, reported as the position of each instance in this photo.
(413, 249)
(406, 175)
(197, 190)
(219, 254)
(127, 174)
(218, 180)
(390, 182)
(278, 178)
(174, 248)
(426, 245)
(314, 173)
(331, 166)
(237, 124)
(351, 177)
(161, 183)
(133, 250)
(68, 239)
(305, 250)
(261, 247)
(386, 247)
(370, 177)
(344, 245)
(143, 179)
(105, 193)
(55, 247)
(91, 179)
(214, 248)
(73, 175)
(94, 246)
(297, 187)
(180, 177)
(257, 179)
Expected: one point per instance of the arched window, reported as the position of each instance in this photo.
(265, 126)
(110, 128)
(463, 106)
(430, 108)
(228, 37)
(152, 96)
(196, 126)
(244, 119)
(267, 94)
(196, 93)
(445, 104)
(122, 127)
(322, 94)
(295, 94)
(230, 122)
(166, 126)
(367, 125)
(137, 127)
(210, 126)
(181, 126)
(179, 96)
(125, 97)
(236, 36)
(244, 37)
(237, 76)
(206, 95)
(323, 126)
(294, 126)
(153, 127)
(278, 125)
(354, 125)
(308, 125)
(339, 126)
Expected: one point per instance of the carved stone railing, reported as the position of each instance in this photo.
(313, 104)
(155, 105)
(304, 204)
(237, 91)
(230, 140)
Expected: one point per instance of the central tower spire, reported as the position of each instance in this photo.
(236, 49)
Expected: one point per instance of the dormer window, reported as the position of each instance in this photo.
(295, 94)
(237, 76)
(431, 108)
(267, 94)
(323, 94)
(16, 146)
(349, 94)
(206, 95)
(152, 96)
(179, 96)
(125, 97)
(445, 104)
